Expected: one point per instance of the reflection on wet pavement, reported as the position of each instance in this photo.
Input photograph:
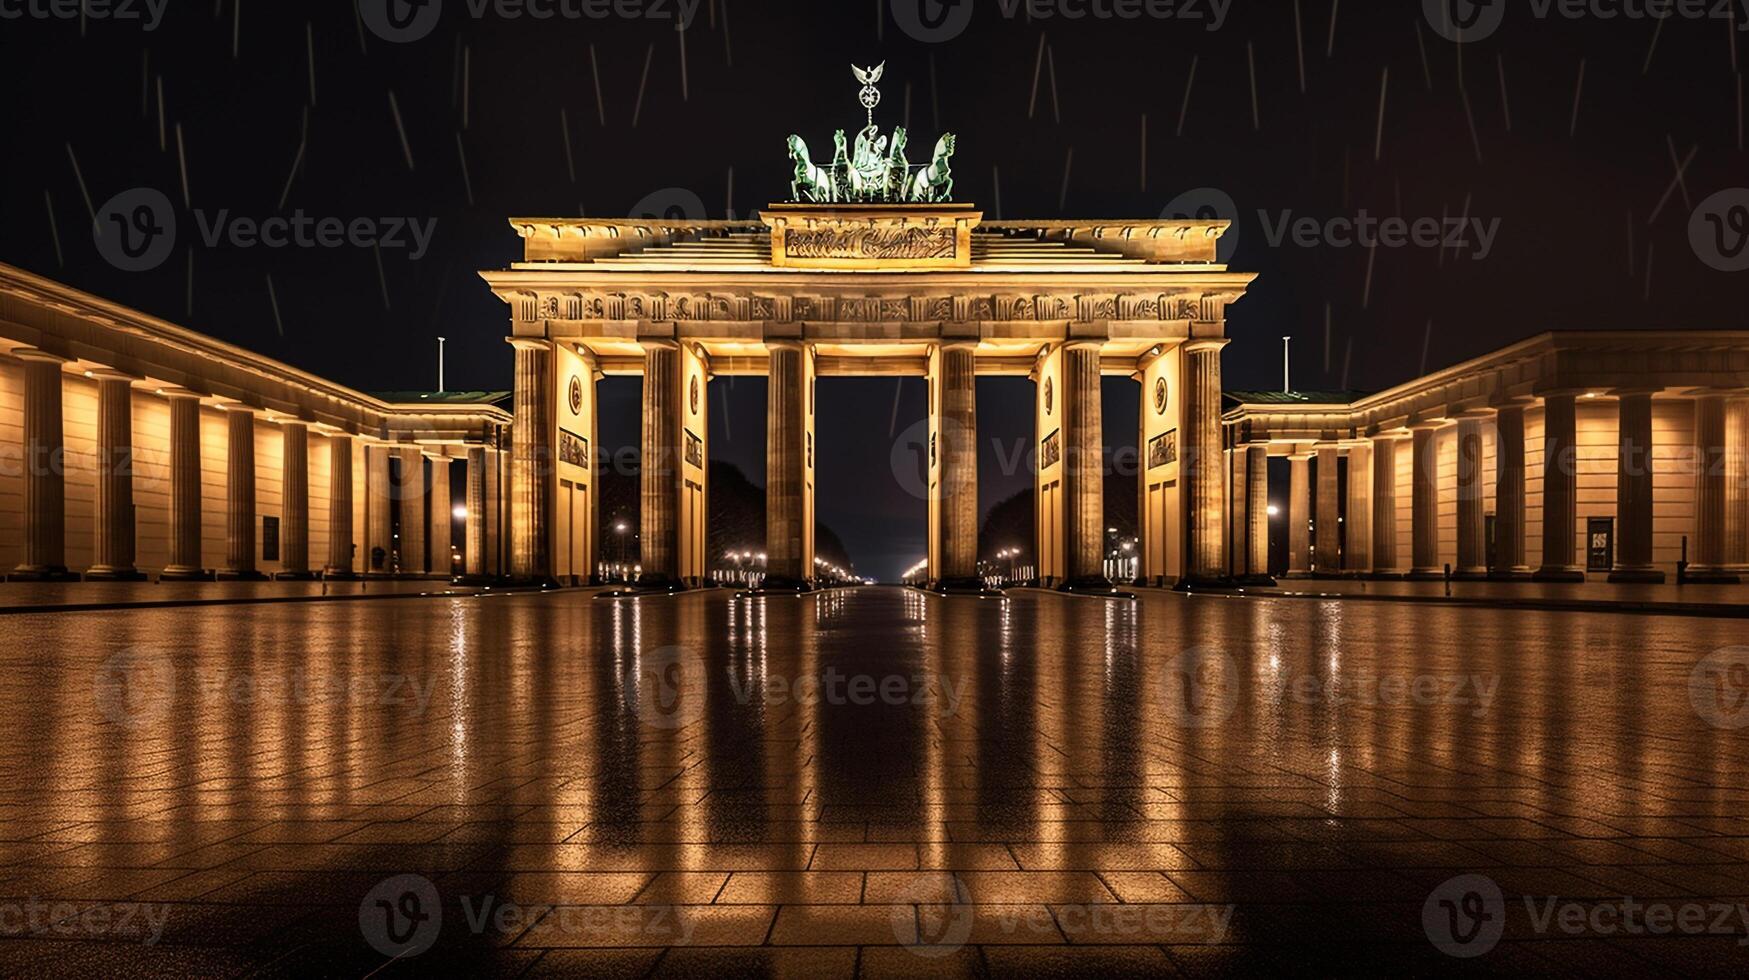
(873, 781)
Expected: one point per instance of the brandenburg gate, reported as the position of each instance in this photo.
(870, 269)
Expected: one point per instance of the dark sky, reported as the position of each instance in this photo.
(1574, 202)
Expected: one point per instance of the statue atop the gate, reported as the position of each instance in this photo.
(873, 170)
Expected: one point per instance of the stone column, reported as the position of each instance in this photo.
(787, 564)
(1327, 555)
(1257, 514)
(45, 473)
(411, 499)
(1633, 491)
(185, 482)
(1737, 482)
(1709, 564)
(1472, 521)
(379, 527)
(1560, 490)
(1384, 507)
(1509, 540)
(239, 494)
(114, 511)
(475, 547)
(1201, 462)
(441, 540)
(658, 527)
(339, 507)
(1083, 470)
(1238, 499)
(959, 470)
(294, 523)
(532, 476)
(1424, 505)
(1357, 528)
(1299, 516)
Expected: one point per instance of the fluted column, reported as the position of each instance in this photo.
(1327, 555)
(1709, 563)
(379, 520)
(475, 544)
(1560, 490)
(1202, 462)
(1083, 469)
(114, 511)
(1737, 483)
(45, 474)
(440, 543)
(1384, 507)
(1299, 515)
(787, 564)
(658, 525)
(239, 494)
(185, 482)
(339, 507)
(532, 473)
(294, 521)
(1472, 522)
(1509, 513)
(1633, 491)
(1424, 505)
(1257, 512)
(411, 499)
(1357, 527)
(959, 469)
(1238, 499)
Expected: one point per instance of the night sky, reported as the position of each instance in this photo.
(1593, 230)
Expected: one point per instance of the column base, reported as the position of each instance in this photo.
(1510, 575)
(1637, 575)
(1384, 576)
(1297, 573)
(1328, 575)
(101, 574)
(1426, 575)
(483, 580)
(241, 575)
(1265, 581)
(334, 574)
(41, 573)
(1094, 586)
(1711, 576)
(1558, 573)
(185, 573)
(295, 576)
(1470, 575)
(1191, 583)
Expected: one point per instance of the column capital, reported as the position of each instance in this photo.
(530, 343)
(1428, 425)
(1476, 414)
(37, 356)
(1389, 435)
(1202, 344)
(171, 391)
(239, 408)
(1632, 392)
(111, 374)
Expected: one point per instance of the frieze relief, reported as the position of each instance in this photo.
(740, 308)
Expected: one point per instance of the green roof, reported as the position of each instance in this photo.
(1293, 397)
(442, 397)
